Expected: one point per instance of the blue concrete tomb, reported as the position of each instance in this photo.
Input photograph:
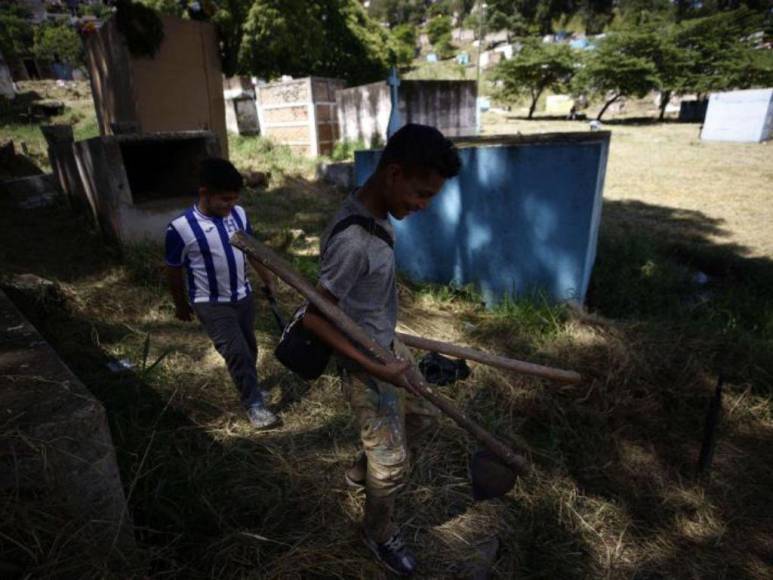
(522, 217)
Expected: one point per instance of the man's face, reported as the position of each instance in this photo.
(409, 192)
(220, 203)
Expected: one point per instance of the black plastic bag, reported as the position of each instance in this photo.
(441, 371)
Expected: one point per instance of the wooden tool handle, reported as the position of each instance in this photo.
(413, 379)
(510, 364)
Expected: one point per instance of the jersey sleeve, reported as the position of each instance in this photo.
(174, 247)
(243, 219)
(344, 262)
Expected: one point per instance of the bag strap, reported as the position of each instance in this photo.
(367, 223)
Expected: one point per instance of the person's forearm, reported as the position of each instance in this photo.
(177, 287)
(265, 275)
(328, 333)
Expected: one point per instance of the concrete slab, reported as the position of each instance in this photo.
(31, 192)
(56, 438)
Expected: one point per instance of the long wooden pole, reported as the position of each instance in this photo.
(510, 364)
(413, 381)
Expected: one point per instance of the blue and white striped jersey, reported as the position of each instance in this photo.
(216, 271)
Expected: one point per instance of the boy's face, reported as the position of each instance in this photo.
(412, 191)
(218, 203)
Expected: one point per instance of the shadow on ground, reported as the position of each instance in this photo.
(613, 491)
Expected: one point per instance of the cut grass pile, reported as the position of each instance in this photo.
(613, 492)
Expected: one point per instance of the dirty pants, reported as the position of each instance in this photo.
(231, 326)
(389, 418)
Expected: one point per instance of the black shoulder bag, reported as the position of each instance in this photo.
(300, 350)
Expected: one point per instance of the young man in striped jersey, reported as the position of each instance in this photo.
(197, 249)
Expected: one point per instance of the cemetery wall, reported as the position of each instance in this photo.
(450, 106)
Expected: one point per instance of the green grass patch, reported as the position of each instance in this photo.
(17, 124)
(344, 150)
(263, 154)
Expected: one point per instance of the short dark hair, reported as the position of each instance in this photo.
(420, 148)
(219, 175)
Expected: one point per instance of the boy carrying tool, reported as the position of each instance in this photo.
(218, 290)
(358, 274)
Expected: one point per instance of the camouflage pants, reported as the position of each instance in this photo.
(389, 419)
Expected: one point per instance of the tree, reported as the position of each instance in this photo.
(439, 34)
(99, 11)
(440, 8)
(504, 15)
(640, 12)
(269, 38)
(463, 7)
(438, 27)
(404, 44)
(229, 18)
(522, 17)
(396, 12)
(58, 43)
(319, 37)
(444, 47)
(538, 67)
(596, 14)
(174, 7)
(719, 54)
(613, 71)
(656, 43)
(755, 69)
(16, 34)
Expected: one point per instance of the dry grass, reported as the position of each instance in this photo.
(613, 492)
(667, 165)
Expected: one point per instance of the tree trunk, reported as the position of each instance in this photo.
(533, 105)
(606, 106)
(665, 97)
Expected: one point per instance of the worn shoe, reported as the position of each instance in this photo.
(352, 483)
(356, 474)
(262, 418)
(393, 554)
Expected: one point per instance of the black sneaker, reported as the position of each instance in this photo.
(393, 554)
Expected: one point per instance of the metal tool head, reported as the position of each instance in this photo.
(490, 476)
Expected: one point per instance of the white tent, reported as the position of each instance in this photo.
(743, 116)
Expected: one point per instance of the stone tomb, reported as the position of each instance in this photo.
(522, 217)
(241, 112)
(301, 114)
(56, 450)
(740, 116)
(179, 89)
(135, 184)
(363, 111)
